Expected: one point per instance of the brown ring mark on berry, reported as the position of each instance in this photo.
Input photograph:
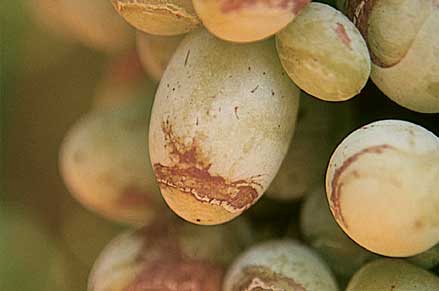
(189, 173)
(228, 6)
(260, 278)
(342, 35)
(336, 185)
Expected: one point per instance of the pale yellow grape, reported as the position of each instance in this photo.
(104, 163)
(221, 124)
(394, 275)
(279, 265)
(324, 53)
(159, 17)
(382, 185)
(403, 41)
(247, 20)
(169, 255)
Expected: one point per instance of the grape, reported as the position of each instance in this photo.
(382, 185)
(321, 231)
(324, 53)
(395, 275)
(427, 259)
(104, 163)
(247, 20)
(306, 160)
(279, 265)
(169, 256)
(222, 120)
(159, 17)
(155, 52)
(403, 41)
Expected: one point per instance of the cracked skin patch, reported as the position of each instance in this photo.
(158, 17)
(193, 192)
(259, 278)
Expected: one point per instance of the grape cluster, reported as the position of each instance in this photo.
(246, 101)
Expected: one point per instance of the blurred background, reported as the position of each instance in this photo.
(49, 76)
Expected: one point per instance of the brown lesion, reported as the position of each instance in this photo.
(342, 35)
(174, 275)
(259, 278)
(166, 268)
(337, 185)
(294, 6)
(189, 173)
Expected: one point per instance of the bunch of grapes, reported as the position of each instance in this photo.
(244, 98)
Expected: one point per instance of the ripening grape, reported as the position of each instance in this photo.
(395, 275)
(279, 265)
(104, 163)
(322, 233)
(159, 17)
(247, 20)
(221, 124)
(382, 185)
(324, 53)
(403, 41)
(169, 255)
(305, 163)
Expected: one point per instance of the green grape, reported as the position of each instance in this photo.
(279, 265)
(321, 231)
(169, 255)
(306, 160)
(324, 53)
(221, 124)
(403, 40)
(382, 185)
(104, 163)
(394, 275)
(159, 17)
(247, 20)
(428, 259)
